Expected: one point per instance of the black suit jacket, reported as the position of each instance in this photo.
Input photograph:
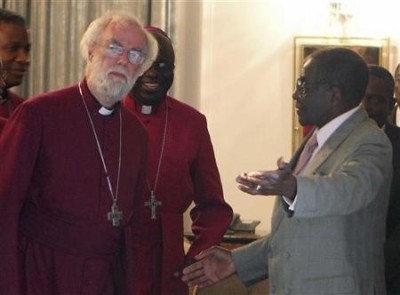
(393, 216)
(392, 116)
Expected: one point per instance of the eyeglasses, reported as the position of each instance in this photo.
(134, 56)
(303, 86)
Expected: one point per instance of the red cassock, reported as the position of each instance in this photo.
(55, 237)
(188, 172)
(10, 104)
(3, 122)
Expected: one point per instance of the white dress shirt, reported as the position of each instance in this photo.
(323, 135)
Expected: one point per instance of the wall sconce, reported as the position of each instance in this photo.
(341, 13)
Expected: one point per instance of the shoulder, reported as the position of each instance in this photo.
(53, 94)
(359, 133)
(15, 98)
(360, 127)
(367, 137)
(50, 105)
(368, 131)
(185, 111)
(55, 97)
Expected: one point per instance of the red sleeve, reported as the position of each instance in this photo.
(211, 215)
(19, 144)
(2, 123)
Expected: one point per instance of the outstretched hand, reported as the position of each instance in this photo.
(274, 182)
(212, 266)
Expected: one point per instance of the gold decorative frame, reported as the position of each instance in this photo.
(375, 51)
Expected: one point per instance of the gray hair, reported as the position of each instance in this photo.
(345, 69)
(96, 27)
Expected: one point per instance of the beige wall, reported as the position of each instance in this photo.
(235, 64)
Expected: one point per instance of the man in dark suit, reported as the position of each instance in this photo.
(379, 102)
(328, 224)
(394, 117)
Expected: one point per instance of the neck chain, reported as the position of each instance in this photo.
(115, 216)
(153, 203)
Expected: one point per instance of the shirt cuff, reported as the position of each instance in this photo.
(291, 203)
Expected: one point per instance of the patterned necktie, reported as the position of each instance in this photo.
(306, 154)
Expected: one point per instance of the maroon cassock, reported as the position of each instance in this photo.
(8, 105)
(55, 237)
(188, 172)
(3, 122)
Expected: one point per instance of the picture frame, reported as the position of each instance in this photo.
(373, 50)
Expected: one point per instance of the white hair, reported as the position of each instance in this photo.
(96, 27)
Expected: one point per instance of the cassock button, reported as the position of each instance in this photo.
(273, 289)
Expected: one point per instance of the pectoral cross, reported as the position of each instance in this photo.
(114, 215)
(153, 204)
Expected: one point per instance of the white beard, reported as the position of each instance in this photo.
(113, 89)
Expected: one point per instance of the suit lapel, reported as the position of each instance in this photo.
(296, 155)
(336, 139)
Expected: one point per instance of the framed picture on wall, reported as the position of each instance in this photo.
(374, 51)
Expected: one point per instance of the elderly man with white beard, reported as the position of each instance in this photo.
(72, 166)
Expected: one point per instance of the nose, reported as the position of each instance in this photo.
(152, 71)
(123, 58)
(23, 55)
(295, 94)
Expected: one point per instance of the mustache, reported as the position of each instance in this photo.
(118, 69)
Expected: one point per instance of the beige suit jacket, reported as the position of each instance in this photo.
(333, 242)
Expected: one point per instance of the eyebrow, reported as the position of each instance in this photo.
(115, 41)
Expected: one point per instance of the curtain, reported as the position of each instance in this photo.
(56, 27)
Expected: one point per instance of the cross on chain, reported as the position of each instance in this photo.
(153, 204)
(115, 216)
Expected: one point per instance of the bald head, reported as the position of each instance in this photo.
(152, 87)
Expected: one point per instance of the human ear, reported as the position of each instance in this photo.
(90, 52)
(336, 95)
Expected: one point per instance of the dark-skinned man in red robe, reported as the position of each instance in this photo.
(72, 168)
(14, 58)
(181, 170)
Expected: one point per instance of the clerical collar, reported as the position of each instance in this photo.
(105, 112)
(146, 110)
